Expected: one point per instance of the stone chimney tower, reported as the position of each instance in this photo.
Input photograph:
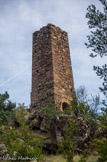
(51, 68)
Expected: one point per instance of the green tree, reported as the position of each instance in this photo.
(85, 104)
(5, 103)
(97, 40)
(79, 109)
(7, 109)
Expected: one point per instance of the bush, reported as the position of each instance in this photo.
(101, 144)
(21, 141)
(103, 117)
(79, 109)
(101, 148)
(6, 116)
(49, 112)
(68, 146)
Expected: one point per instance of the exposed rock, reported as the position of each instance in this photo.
(82, 135)
(3, 150)
(43, 126)
(35, 119)
(86, 130)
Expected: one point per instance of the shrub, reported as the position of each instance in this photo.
(21, 141)
(101, 148)
(6, 116)
(79, 108)
(103, 117)
(50, 111)
(68, 146)
(101, 144)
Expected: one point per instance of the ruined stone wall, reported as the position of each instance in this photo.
(51, 67)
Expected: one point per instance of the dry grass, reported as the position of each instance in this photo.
(92, 158)
(59, 158)
(53, 158)
(76, 158)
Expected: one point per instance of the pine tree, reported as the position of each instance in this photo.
(97, 40)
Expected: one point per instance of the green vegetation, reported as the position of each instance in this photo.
(97, 41)
(101, 144)
(101, 148)
(50, 111)
(87, 108)
(79, 109)
(7, 109)
(68, 146)
(85, 105)
(21, 141)
(97, 21)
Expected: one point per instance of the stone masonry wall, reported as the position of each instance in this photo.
(62, 69)
(42, 69)
(51, 67)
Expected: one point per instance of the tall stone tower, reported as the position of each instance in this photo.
(51, 68)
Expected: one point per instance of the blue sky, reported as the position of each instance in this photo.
(19, 19)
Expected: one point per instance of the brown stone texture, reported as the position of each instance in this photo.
(51, 67)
